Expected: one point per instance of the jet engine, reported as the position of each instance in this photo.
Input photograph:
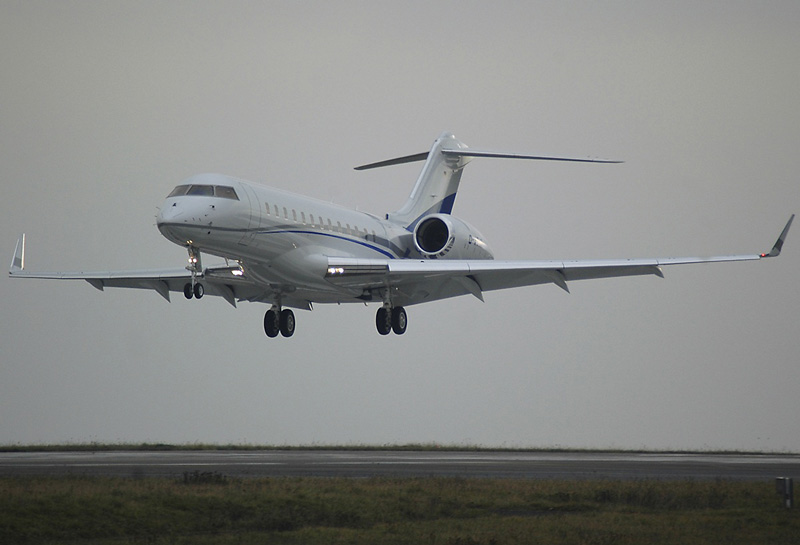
(443, 236)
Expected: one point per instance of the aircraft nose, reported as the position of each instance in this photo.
(168, 213)
(167, 219)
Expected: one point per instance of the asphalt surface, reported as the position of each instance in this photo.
(359, 464)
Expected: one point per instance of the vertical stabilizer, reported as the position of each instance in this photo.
(436, 187)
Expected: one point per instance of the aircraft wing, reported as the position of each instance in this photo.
(415, 281)
(224, 281)
(411, 281)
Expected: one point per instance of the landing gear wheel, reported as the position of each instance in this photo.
(383, 321)
(271, 323)
(287, 323)
(399, 320)
(199, 291)
(187, 291)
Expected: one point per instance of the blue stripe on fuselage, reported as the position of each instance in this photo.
(300, 232)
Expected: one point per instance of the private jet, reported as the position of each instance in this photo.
(290, 251)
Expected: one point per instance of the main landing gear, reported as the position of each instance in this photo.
(279, 321)
(390, 319)
(197, 290)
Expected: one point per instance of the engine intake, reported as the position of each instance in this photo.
(440, 235)
(432, 236)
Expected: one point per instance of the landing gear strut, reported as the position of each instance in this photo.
(390, 319)
(194, 288)
(279, 321)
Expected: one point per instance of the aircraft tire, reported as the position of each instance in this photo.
(199, 290)
(287, 323)
(271, 327)
(383, 321)
(187, 291)
(399, 320)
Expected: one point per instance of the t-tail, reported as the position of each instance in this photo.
(437, 185)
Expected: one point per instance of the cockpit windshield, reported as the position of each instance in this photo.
(221, 191)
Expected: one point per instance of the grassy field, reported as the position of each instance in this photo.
(210, 508)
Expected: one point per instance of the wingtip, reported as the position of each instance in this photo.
(18, 262)
(776, 249)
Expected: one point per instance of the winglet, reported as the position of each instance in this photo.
(18, 263)
(776, 249)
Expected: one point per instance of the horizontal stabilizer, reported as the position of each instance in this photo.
(477, 153)
(501, 155)
(398, 161)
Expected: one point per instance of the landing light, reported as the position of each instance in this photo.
(335, 270)
(237, 272)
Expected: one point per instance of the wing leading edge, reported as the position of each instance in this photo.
(417, 281)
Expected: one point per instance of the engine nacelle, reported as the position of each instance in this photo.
(443, 236)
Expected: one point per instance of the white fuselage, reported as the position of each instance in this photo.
(281, 237)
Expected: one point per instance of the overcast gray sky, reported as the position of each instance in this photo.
(107, 105)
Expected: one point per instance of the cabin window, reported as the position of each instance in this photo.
(339, 226)
(312, 219)
(266, 204)
(303, 217)
(294, 215)
(277, 214)
(285, 213)
(330, 226)
(347, 226)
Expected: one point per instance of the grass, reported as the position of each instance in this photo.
(211, 508)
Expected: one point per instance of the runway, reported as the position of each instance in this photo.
(360, 464)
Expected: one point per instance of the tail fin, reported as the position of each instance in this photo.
(436, 187)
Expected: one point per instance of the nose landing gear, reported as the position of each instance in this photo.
(194, 288)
